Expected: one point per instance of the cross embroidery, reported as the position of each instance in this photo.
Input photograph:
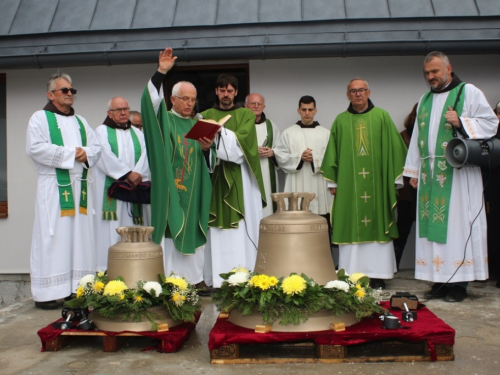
(84, 193)
(364, 173)
(366, 221)
(365, 197)
(438, 262)
(66, 194)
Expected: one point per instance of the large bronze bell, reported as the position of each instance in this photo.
(295, 240)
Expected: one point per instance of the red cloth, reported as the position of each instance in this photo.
(173, 339)
(428, 327)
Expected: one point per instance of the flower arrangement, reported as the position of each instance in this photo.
(114, 299)
(292, 299)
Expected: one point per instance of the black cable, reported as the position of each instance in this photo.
(471, 225)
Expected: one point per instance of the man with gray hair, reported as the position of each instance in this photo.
(63, 147)
(363, 164)
(123, 158)
(450, 243)
(267, 138)
(136, 119)
(180, 170)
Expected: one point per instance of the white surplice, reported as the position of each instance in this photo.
(62, 249)
(435, 261)
(292, 143)
(229, 248)
(264, 164)
(115, 167)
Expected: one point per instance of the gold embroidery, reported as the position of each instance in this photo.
(362, 139)
(437, 262)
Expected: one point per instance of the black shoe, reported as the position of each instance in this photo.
(377, 283)
(47, 305)
(456, 294)
(70, 297)
(438, 290)
(203, 289)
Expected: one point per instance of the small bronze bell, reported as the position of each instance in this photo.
(135, 257)
(295, 240)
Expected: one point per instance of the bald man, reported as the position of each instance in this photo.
(123, 158)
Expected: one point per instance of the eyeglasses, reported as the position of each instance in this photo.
(120, 110)
(65, 90)
(186, 99)
(136, 125)
(355, 91)
(256, 104)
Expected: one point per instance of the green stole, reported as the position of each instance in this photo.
(227, 207)
(434, 192)
(272, 174)
(108, 203)
(181, 185)
(66, 199)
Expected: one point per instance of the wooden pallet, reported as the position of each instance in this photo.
(109, 343)
(309, 352)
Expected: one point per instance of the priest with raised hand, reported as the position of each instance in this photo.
(63, 147)
(180, 174)
(238, 191)
(364, 163)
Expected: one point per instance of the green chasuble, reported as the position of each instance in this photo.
(365, 156)
(227, 207)
(180, 179)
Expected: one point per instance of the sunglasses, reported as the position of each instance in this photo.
(65, 90)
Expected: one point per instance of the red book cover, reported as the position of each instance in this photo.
(206, 128)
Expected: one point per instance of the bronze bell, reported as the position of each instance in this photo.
(135, 257)
(295, 240)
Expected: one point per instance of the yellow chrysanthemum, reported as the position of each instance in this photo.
(360, 293)
(178, 282)
(293, 284)
(355, 277)
(138, 298)
(177, 299)
(114, 287)
(240, 269)
(79, 292)
(261, 281)
(100, 273)
(98, 286)
(273, 281)
(122, 296)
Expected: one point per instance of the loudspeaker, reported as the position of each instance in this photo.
(473, 152)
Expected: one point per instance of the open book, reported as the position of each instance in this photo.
(206, 128)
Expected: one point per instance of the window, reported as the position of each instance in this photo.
(3, 147)
(203, 78)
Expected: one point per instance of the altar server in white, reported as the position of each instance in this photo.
(62, 147)
(299, 153)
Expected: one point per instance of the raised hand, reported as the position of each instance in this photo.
(166, 60)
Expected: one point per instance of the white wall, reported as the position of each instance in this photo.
(396, 84)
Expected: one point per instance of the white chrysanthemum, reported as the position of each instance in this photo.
(87, 279)
(337, 284)
(152, 285)
(238, 278)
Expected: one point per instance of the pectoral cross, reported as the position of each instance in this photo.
(365, 197)
(366, 221)
(364, 173)
(66, 194)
